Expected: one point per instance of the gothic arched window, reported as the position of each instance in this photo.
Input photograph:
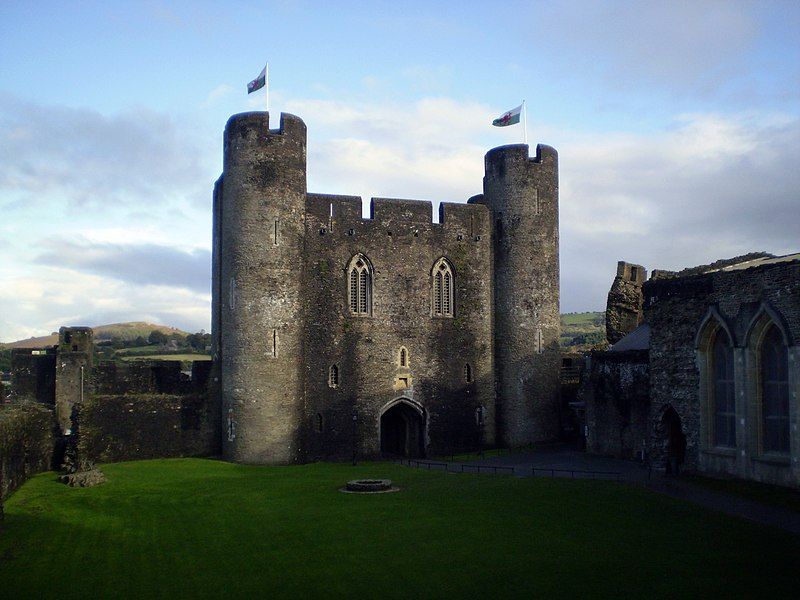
(774, 393)
(359, 275)
(403, 357)
(723, 404)
(442, 292)
(333, 376)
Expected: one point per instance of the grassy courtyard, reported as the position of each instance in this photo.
(202, 528)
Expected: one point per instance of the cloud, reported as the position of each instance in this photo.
(710, 187)
(427, 150)
(47, 297)
(137, 157)
(676, 45)
(705, 186)
(142, 264)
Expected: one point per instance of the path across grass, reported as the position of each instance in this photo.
(193, 528)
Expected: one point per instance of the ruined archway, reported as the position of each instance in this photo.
(403, 430)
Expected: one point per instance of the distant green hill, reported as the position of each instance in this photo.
(123, 331)
(583, 331)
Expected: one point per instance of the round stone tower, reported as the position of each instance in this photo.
(522, 193)
(259, 226)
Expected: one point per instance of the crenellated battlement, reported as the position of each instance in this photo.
(343, 213)
(254, 126)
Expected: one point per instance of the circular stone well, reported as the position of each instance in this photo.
(369, 486)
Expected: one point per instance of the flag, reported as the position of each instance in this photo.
(261, 81)
(510, 117)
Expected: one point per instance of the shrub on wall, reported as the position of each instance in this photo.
(26, 443)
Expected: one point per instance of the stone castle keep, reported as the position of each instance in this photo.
(335, 335)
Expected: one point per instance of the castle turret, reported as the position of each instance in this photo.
(74, 361)
(259, 226)
(522, 193)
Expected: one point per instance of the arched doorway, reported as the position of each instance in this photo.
(402, 430)
(675, 440)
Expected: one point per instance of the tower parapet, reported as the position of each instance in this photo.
(259, 231)
(624, 311)
(522, 194)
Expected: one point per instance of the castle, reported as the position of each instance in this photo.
(335, 335)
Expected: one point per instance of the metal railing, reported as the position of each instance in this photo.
(450, 467)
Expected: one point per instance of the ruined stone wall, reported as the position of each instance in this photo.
(402, 244)
(522, 194)
(26, 443)
(616, 393)
(74, 361)
(624, 305)
(33, 375)
(676, 309)
(122, 427)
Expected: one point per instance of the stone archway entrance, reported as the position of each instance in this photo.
(402, 431)
(675, 440)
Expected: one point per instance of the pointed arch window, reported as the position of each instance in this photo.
(360, 286)
(403, 357)
(774, 393)
(442, 292)
(333, 376)
(468, 373)
(722, 391)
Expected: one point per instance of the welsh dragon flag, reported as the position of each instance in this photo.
(260, 81)
(510, 117)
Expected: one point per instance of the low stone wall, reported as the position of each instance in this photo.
(616, 392)
(26, 444)
(114, 428)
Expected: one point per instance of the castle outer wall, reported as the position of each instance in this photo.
(308, 365)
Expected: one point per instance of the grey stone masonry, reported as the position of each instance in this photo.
(522, 193)
(336, 335)
(624, 306)
(74, 362)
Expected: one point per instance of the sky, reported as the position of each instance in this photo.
(677, 126)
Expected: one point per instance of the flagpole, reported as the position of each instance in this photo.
(525, 121)
(266, 80)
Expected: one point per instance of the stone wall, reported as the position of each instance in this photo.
(402, 244)
(26, 443)
(616, 392)
(678, 310)
(624, 305)
(113, 428)
(33, 375)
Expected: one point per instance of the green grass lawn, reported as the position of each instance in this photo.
(752, 490)
(193, 528)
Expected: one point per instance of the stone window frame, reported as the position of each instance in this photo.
(765, 319)
(403, 358)
(359, 281)
(469, 375)
(712, 325)
(443, 283)
(334, 376)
